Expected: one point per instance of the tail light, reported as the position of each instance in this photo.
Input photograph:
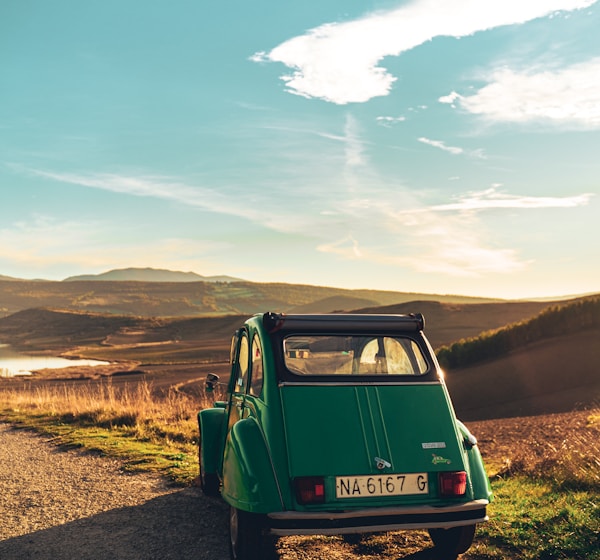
(310, 489)
(453, 483)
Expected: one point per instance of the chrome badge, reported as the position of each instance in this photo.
(382, 463)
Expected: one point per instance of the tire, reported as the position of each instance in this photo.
(247, 540)
(449, 543)
(209, 482)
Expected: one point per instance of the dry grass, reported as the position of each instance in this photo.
(573, 463)
(146, 414)
(145, 429)
(561, 448)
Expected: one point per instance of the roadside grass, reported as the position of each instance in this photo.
(145, 430)
(547, 502)
(538, 520)
(547, 497)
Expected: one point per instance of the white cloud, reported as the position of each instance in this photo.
(569, 96)
(450, 98)
(339, 62)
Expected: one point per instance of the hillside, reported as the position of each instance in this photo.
(194, 299)
(556, 320)
(449, 322)
(548, 363)
(115, 337)
(555, 375)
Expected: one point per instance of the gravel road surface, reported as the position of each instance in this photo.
(73, 505)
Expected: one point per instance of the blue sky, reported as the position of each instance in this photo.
(424, 146)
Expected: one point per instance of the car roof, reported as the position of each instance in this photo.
(342, 322)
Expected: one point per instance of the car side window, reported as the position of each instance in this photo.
(241, 381)
(256, 380)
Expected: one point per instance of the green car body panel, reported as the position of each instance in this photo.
(343, 429)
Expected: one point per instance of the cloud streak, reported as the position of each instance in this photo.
(490, 199)
(340, 62)
(454, 150)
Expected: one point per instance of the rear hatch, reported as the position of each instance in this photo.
(378, 444)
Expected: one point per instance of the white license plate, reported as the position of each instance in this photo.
(381, 485)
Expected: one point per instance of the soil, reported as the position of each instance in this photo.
(62, 504)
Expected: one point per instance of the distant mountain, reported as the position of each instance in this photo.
(149, 275)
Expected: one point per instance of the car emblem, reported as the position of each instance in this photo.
(439, 460)
(382, 463)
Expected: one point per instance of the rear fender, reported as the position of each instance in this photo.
(211, 422)
(479, 478)
(249, 480)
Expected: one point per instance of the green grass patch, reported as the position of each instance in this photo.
(539, 520)
(177, 461)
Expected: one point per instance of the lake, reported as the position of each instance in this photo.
(14, 363)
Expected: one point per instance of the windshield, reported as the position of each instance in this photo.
(353, 355)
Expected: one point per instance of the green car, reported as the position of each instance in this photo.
(338, 424)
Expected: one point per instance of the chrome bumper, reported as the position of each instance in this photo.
(284, 523)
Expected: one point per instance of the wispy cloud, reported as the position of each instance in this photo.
(389, 121)
(340, 62)
(454, 150)
(569, 96)
(441, 145)
(455, 248)
(167, 188)
(492, 199)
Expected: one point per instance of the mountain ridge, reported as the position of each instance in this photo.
(148, 274)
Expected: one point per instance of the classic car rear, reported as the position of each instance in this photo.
(351, 430)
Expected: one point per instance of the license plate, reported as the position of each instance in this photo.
(381, 485)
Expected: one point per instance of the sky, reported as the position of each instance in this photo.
(422, 146)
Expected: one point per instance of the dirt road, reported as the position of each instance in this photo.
(57, 505)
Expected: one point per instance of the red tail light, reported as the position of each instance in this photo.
(310, 490)
(453, 483)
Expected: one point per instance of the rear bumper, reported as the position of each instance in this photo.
(377, 519)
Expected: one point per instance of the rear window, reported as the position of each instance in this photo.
(353, 355)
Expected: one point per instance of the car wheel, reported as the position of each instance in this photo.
(449, 543)
(246, 538)
(209, 482)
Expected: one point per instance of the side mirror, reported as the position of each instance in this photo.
(211, 380)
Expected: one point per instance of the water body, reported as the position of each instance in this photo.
(14, 363)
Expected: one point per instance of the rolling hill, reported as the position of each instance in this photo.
(548, 363)
(195, 299)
